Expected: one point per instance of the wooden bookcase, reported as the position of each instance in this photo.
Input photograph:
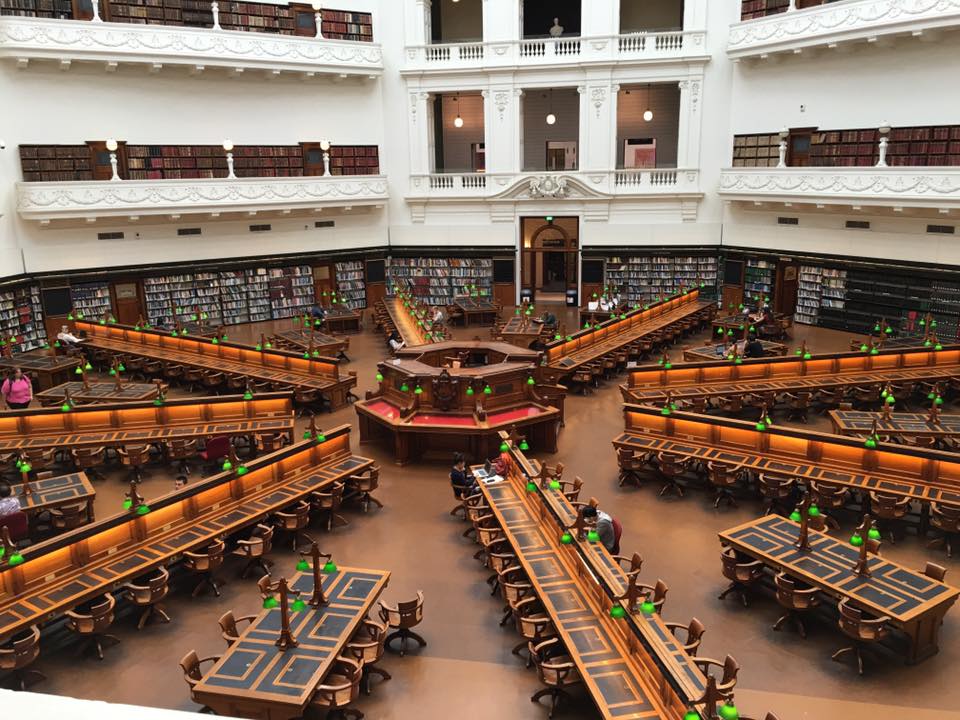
(354, 160)
(57, 9)
(344, 25)
(56, 163)
(756, 150)
(750, 9)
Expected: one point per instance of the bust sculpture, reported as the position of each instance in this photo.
(557, 29)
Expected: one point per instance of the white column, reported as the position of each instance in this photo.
(501, 116)
(421, 132)
(502, 20)
(597, 18)
(694, 14)
(596, 106)
(518, 118)
(688, 135)
(417, 20)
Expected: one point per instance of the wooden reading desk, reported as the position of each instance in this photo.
(302, 340)
(79, 565)
(476, 310)
(48, 368)
(564, 356)
(38, 495)
(760, 376)
(633, 667)
(521, 331)
(341, 319)
(278, 367)
(146, 423)
(406, 321)
(100, 392)
(707, 353)
(914, 602)
(254, 678)
(903, 425)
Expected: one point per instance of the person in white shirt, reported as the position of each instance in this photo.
(437, 316)
(8, 503)
(66, 338)
(395, 341)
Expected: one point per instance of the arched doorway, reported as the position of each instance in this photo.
(550, 249)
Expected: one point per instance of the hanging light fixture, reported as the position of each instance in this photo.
(648, 113)
(551, 118)
(458, 121)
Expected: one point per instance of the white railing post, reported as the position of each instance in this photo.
(96, 11)
(215, 9)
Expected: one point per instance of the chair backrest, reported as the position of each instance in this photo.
(217, 447)
(773, 486)
(208, 559)
(18, 525)
(190, 664)
(730, 670)
(660, 592)
(21, 651)
(262, 539)
(617, 534)
(100, 616)
(342, 684)
(889, 507)
(411, 611)
(135, 454)
(937, 572)
(695, 631)
(68, 517)
(89, 457)
(945, 517)
(228, 624)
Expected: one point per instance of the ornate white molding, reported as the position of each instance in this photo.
(891, 187)
(47, 201)
(65, 41)
(837, 23)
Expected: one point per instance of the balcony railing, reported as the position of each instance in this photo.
(837, 23)
(27, 39)
(667, 46)
(88, 200)
(555, 184)
(892, 187)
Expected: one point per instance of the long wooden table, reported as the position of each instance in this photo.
(77, 566)
(521, 331)
(278, 367)
(100, 392)
(303, 339)
(255, 679)
(715, 352)
(145, 423)
(38, 495)
(634, 667)
(484, 312)
(341, 319)
(48, 368)
(914, 602)
(405, 323)
(652, 383)
(904, 425)
(564, 356)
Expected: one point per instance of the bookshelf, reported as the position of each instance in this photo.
(234, 300)
(756, 150)
(91, 299)
(258, 294)
(641, 278)
(21, 318)
(844, 148)
(436, 281)
(351, 288)
(758, 279)
(471, 274)
(354, 160)
(924, 146)
(185, 295)
(291, 290)
(56, 9)
(345, 25)
(146, 12)
(56, 163)
(808, 294)
(750, 9)
(257, 17)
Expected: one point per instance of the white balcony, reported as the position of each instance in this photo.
(841, 24)
(890, 187)
(89, 200)
(27, 40)
(608, 50)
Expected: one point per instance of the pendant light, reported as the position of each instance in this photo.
(648, 113)
(551, 118)
(458, 121)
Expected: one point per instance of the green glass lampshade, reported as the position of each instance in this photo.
(113, 371)
(876, 328)
(306, 434)
(667, 365)
(558, 336)
(121, 368)
(856, 540)
(555, 485)
(741, 326)
(517, 311)
(798, 351)
(891, 400)
(379, 377)
(874, 351)
(504, 447)
(691, 715)
(660, 361)
(298, 605)
(807, 356)
(728, 712)
(586, 326)
(258, 347)
(215, 341)
(873, 534)
(487, 390)
(617, 611)
(70, 316)
(103, 322)
(418, 390)
(938, 400)
(752, 329)
(531, 486)
(469, 391)
(930, 395)
(738, 361)
(269, 345)
(306, 356)
(719, 331)
(404, 388)
(270, 602)
(65, 407)
(593, 536)
(524, 445)
(795, 516)
(566, 538)
(889, 331)
(870, 443)
(864, 348)
(56, 343)
(730, 332)
(242, 470)
(329, 566)
(78, 371)
(15, 559)
(813, 511)
(26, 467)
(136, 327)
(127, 504)
(158, 401)
(143, 510)
(761, 426)
(193, 317)
(321, 438)
(938, 346)
(569, 338)
(248, 395)
(531, 381)
(922, 322)
(174, 334)
(227, 465)
(665, 410)
(933, 323)
(647, 607)
(303, 565)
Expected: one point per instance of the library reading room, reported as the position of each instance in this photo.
(479, 359)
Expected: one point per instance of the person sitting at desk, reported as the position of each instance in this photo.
(460, 478)
(8, 503)
(319, 313)
(437, 316)
(608, 528)
(395, 341)
(754, 348)
(17, 390)
(66, 338)
(538, 345)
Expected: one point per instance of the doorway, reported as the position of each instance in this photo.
(550, 256)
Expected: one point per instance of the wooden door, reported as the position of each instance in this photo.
(787, 284)
(324, 282)
(126, 302)
(312, 158)
(798, 147)
(304, 20)
(732, 296)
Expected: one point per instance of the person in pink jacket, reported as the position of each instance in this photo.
(17, 390)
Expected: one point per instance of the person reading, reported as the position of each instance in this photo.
(608, 528)
(754, 348)
(67, 338)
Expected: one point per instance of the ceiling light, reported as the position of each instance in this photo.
(648, 113)
(458, 122)
(551, 118)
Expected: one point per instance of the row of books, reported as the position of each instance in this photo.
(351, 287)
(640, 278)
(21, 318)
(437, 281)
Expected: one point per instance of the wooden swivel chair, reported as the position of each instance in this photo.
(795, 598)
(657, 594)
(308, 401)
(631, 465)
(934, 571)
(340, 687)
(693, 632)
(363, 486)
(556, 670)
(173, 372)
(671, 468)
(228, 626)
(729, 669)
(213, 381)
(862, 630)
(191, 664)
(889, 510)
(179, 452)
(533, 624)
(403, 616)
(91, 624)
(135, 457)
(742, 573)
(571, 488)
(723, 478)
(69, 517)
(17, 654)
(798, 405)
(148, 594)
(89, 460)
(515, 587)
(946, 519)
(776, 491)
(293, 520)
(192, 377)
(254, 549)
(367, 647)
(328, 504)
(827, 497)
(205, 563)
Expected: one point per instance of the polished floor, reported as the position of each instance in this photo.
(467, 670)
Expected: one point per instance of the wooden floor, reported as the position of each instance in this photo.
(468, 655)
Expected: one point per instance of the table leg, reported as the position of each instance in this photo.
(923, 635)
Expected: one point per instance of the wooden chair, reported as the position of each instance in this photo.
(889, 510)
(556, 670)
(775, 490)
(191, 664)
(340, 687)
(41, 459)
(151, 369)
(255, 548)
(403, 616)
(293, 520)
(631, 465)
(828, 497)
(18, 653)
(213, 381)
(693, 632)
(729, 669)
(671, 467)
(192, 377)
(228, 626)
(367, 646)
(795, 600)
(91, 624)
(179, 452)
(328, 504)
(89, 460)
(69, 517)
(308, 401)
(205, 563)
(798, 405)
(173, 372)
(149, 596)
(863, 631)
(742, 573)
(514, 588)
(533, 624)
(135, 457)
(571, 489)
(934, 571)
(659, 591)
(946, 519)
(363, 486)
(270, 442)
(723, 478)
